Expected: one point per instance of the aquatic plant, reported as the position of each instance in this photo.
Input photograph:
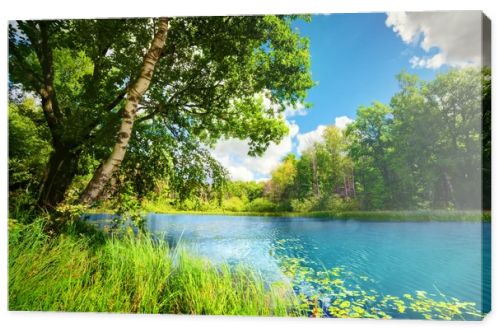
(338, 292)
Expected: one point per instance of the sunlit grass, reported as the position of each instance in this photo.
(84, 270)
(129, 274)
(386, 215)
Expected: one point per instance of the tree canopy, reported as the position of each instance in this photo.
(202, 79)
(429, 148)
(215, 77)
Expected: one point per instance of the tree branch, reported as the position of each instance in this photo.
(34, 77)
(39, 38)
(110, 106)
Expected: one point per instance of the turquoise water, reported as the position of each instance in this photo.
(443, 261)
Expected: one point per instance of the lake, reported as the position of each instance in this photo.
(402, 269)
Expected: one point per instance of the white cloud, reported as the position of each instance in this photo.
(300, 110)
(262, 179)
(457, 35)
(306, 140)
(434, 62)
(240, 173)
(233, 155)
(342, 122)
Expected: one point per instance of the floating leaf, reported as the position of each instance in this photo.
(345, 304)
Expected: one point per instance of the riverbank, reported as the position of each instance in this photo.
(83, 270)
(372, 216)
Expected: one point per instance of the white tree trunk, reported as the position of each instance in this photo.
(134, 95)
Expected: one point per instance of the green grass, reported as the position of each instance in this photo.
(380, 215)
(388, 215)
(423, 215)
(81, 269)
(130, 274)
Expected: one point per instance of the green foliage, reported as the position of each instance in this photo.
(29, 149)
(73, 272)
(217, 77)
(424, 150)
(157, 205)
(320, 180)
(182, 163)
(72, 69)
(282, 180)
(127, 208)
(332, 203)
(234, 204)
(249, 190)
(304, 205)
(22, 204)
(29, 145)
(369, 148)
(76, 187)
(336, 203)
(260, 205)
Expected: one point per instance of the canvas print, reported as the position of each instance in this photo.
(312, 165)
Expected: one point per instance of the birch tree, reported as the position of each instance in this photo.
(199, 78)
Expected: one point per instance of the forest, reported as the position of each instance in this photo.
(421, 151)
(406, 155)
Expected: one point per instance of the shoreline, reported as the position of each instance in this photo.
(372, 216)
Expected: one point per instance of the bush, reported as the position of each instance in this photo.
(22, 204)
(76, 188)
(336, 203)
(325, 203)
(158, 205)
(304, 205)
(234, 204)
(260, 205)
(188, 205)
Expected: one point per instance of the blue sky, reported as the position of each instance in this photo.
(354, 60)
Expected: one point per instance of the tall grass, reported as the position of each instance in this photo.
(85, 272)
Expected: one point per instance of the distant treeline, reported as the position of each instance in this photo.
(429, 148)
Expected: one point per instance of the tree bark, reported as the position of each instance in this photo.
(63, 161)
(134, 96)
(315, 175)
(450, 189)
(58, 176)
(353, 184)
